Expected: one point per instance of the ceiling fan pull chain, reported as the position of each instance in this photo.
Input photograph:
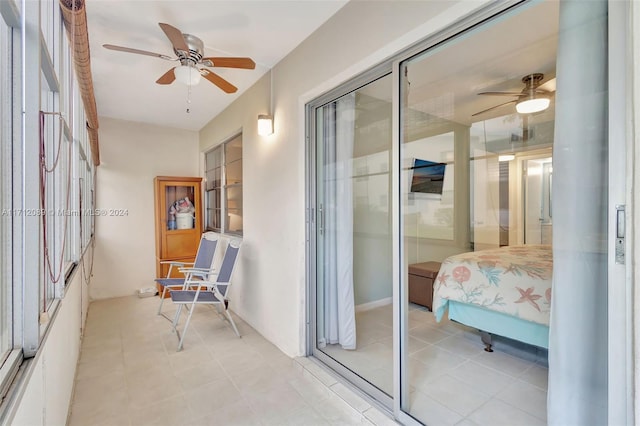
(189, 98)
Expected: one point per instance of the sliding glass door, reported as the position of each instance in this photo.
(353, 284)
(478, 351)
(462, 213)
(494, 143)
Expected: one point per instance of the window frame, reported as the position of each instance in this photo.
(37, 75)
(220, 157)
(11, 358)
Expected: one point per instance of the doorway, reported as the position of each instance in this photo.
(537, 181)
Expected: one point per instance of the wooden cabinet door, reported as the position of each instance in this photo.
(180, 243)
(173, 243)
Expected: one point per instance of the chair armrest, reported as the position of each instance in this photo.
(202, 274)
(181, 285)
(198, 271)
(175, 263)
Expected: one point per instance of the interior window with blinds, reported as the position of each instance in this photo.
(223, 186)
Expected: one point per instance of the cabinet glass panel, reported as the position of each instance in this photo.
(180, 207)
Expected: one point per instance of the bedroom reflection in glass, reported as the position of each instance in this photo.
(490, 277)
(427, 177)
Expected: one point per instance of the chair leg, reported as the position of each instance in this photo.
(233, 324)
(176, 317)
(164, 291)
(186, 325)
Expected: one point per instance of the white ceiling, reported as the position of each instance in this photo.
(124, 83)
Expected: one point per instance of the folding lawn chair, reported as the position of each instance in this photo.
(208, 292)
(195, 271)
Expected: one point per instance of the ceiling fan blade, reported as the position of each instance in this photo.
(137, 51)
(167, 78)
(501, 93)
(246, 63)
(493, 107)
(549, 86)
(218, 81)
(175, 37)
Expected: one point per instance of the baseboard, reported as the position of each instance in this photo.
(375, 304)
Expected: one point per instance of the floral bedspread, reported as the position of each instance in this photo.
(515, 280)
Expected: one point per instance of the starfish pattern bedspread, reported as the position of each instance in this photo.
(515, 280)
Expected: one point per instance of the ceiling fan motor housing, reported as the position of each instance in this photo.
(196, 50)
(532, 81)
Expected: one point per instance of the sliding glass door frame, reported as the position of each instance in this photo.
(620, 295)
(400, 285)
(620, 384)
(620, 299)
(314, 219)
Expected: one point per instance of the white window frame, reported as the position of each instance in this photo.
(40, 77)
(223, 188)
(11, 356)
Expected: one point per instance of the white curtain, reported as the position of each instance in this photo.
(577, 392)
(339, 310)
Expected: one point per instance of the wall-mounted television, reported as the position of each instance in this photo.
(427, 176)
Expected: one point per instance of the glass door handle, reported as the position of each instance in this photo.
(321, 220)
(620, 233)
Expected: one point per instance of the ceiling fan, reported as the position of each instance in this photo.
(534, 97)
(189, 51)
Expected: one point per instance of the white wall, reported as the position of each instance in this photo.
(131, 155)
(269, 286)
(49, 386)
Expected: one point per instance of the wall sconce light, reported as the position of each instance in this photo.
(265, 121)
(265, 125)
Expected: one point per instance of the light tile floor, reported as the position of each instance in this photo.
(453, 381)
(129, 373)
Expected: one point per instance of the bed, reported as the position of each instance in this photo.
(504, 291)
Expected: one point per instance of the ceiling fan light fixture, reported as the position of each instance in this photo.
(531, 105)
(188, 75)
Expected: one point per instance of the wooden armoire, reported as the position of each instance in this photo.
(177, 233)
